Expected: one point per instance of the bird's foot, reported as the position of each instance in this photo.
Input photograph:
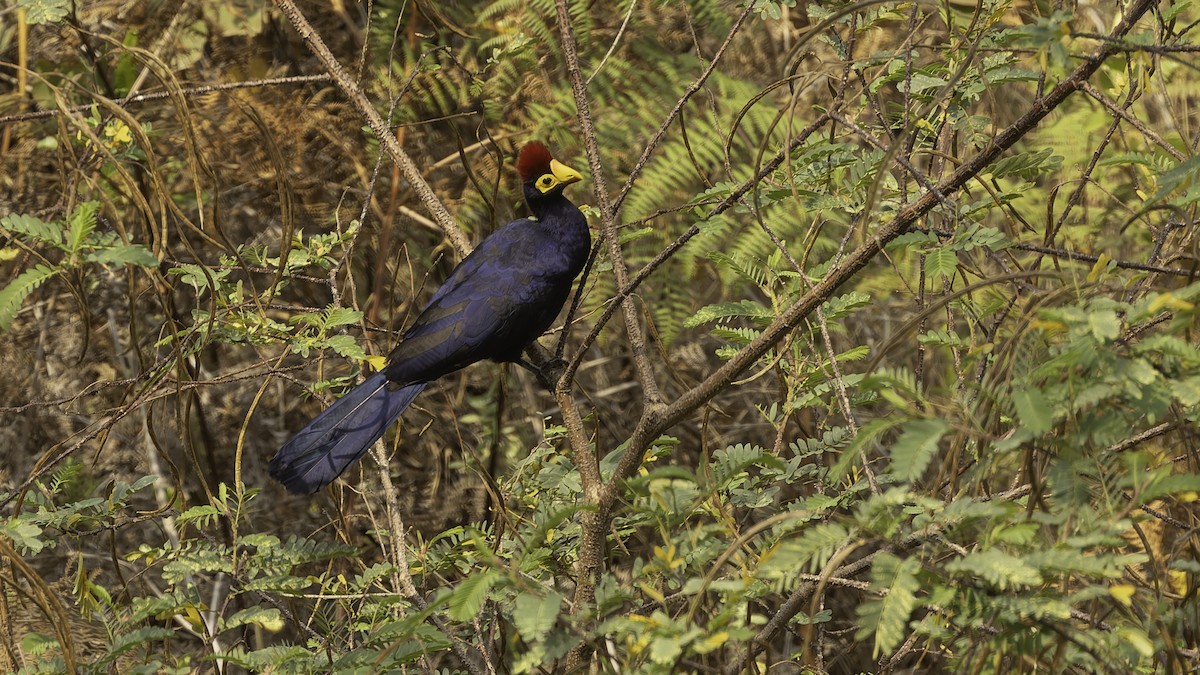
(548, 372)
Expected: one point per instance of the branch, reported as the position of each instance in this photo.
(651, 427)
(1117, 111)
(687, 95)
(637, 342)
(399, 552)
(674, 247)
(161, 95)
(378, 127)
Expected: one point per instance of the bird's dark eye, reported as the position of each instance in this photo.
(546, 180)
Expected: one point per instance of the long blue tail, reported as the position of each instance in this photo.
(340, 435)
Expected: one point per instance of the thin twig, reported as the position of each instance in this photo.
(159, 96)
(1123, 113)
(1068, 254)
(666, 123)
(613, 47)
(399, 555)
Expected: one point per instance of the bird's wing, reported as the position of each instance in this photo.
(472, 315)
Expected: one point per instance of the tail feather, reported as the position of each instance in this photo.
(337, 437)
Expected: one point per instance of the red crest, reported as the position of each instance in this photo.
(533, 161)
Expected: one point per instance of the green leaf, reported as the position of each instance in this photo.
(298, 551)
(33, 229)
(15, 293)
(372, 574)
(80, 225)
(943, 338)
(1026, 165)
(194, 276)
(1186, 170)
(916, 446)
(727, 310)
(853, 452)
(1187, 390)
(260, 540)
(1138, 640)
(277, 658)
(771, 9)
(887, 617)
(128, 641)
(199, 559)
(998, 568)
(133, 254)
(842, 305)
(631, 235)
(1104, 324)
(534, 615)
(912, 238)
(341, 316)
(1033, 409)
(24, 535)
(468, 598)
(941, 262)
(921, 82)
(977, 237)
(811, 550)
(1169, 485)
(347, 346)
(1064, 558)
(45, 11)
(734, 460)
(36, 644)
(204, 514)
(266, 617)
(665, 649)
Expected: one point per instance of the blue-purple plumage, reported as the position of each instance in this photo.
(500, 298)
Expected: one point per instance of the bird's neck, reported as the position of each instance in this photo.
(555, 207)
(558, 209)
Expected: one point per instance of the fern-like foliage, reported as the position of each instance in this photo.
(14, 294)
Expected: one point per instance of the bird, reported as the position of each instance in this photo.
(503, 296)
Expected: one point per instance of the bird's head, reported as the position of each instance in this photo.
(543, 175)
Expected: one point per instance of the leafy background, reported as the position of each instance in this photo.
(908, 381)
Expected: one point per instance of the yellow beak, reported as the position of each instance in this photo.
(563, 173)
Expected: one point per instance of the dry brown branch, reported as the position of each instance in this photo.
(637, 342)
(383, 134)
